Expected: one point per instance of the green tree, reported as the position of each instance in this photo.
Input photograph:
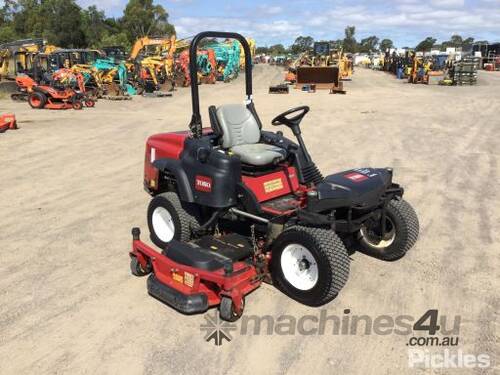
(143, 18)
(426, 44)
(262, 50)
(277, 49)
(457, 41)
(28, 19)
(349, 44)
(63, 23)
(93, 25)
(59, 21)
(114, 39)
(386, 44)
(7, 32)
(336, 44)
(369, 44)
(302, 44)
(468, 42)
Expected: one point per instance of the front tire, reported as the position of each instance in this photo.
(169, 218)
(137, 270)
(310, 265)
(77, 105)
(402, 229)
(227, 310)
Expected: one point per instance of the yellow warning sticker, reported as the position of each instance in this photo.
(177, 277)
(273, 185)
(189, 279)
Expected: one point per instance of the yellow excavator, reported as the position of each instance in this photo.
(154, 67)
(19, 57)
(251, 44)
(344, 63)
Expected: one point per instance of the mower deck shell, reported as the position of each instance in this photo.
(182, 285)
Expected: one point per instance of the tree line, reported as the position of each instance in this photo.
(65, 24)
(369, 44)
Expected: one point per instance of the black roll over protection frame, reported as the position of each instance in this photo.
(195, 125)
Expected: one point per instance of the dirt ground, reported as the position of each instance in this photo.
(71, 187)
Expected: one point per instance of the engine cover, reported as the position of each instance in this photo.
(361, 187)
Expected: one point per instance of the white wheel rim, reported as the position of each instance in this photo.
(382, 244)
(163, 225)
(299, 267)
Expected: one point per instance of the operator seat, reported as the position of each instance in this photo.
(241, 135)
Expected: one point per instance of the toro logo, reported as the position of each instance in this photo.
(356, 177)
(203, 183)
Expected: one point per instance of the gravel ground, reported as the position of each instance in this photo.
(71, 185)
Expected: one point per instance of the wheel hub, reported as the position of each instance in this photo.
(304, 264)
(372, 236)
(163, 224)
(299, 267)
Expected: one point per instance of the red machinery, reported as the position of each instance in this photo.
(234, 205)
(24, 87)
(209, 282)
(182, 69)
(7, 122)
(50, 97)
(182, 75)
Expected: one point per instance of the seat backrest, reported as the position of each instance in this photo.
(238, 125)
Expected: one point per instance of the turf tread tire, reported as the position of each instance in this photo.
(337, 258)
(187, 218)
(409, 228)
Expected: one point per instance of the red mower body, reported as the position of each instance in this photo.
(196, 289)
(234, 205)
(265, 187)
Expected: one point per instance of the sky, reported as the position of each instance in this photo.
(406, 22)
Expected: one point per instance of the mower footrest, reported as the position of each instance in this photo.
(185, 303)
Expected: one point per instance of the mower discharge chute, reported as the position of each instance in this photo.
(234, 205)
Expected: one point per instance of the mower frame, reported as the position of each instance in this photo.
(193, 290)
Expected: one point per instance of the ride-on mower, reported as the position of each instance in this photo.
(234, 205)
(54, 96)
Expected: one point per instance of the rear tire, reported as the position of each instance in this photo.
(310, 265)
(403, 222)
(37, 100)
(169, 218)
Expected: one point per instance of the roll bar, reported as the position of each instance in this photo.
(195, 126)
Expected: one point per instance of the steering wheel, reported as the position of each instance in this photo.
(292, 121)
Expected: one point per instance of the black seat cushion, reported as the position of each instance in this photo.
(196, 257)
